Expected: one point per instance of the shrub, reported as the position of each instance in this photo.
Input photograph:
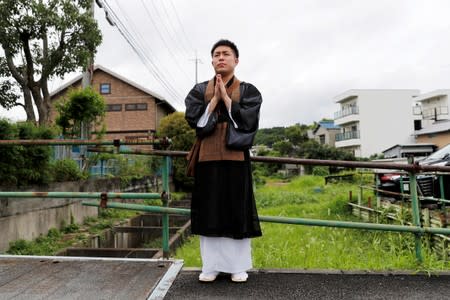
(24, 165)
(320, 171)
(66, 170)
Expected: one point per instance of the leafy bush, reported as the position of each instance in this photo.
(24, 165)
(175, 127)
(66, 170)
(320, 171)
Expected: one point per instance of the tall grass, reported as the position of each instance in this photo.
(296, 246)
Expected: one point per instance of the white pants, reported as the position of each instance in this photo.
(220, 254)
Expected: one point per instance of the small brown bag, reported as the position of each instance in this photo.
(192, 158)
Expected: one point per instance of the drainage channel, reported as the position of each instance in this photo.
(140, 237)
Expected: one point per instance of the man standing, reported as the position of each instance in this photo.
(223, 210)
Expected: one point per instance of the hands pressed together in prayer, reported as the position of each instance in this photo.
(220, 94)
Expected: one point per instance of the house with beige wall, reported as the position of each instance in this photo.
(325, 132)
(133, 112)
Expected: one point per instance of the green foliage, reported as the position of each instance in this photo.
(293, 141)
(48, 244)
(71, 228)
(376, 156)
(132, 166)
(44, 39)
(265, 169)
(56, 240)
(284, 147)
(66, 170)
(320, 171)
(8, 87)
(24, 165)
(80, 105)
(268, 136)
(175, 127)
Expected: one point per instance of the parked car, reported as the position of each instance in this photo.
(428, 185)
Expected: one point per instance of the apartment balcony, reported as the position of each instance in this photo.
(435, 113)
(350, 135)
(348, 139)
(346, 115)
(353, 110)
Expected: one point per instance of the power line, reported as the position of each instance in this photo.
(171, 25)
(181, 25)
(157, 74)
(147, 60)
(164, 41)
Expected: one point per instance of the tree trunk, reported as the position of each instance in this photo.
(41, 107)
(46, 99)
(28, 105)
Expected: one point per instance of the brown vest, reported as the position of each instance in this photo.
(213, 147)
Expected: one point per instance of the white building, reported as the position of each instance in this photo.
(373, 120)
(433, 108)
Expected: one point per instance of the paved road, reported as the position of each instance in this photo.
(312, 285)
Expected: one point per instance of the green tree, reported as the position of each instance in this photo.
(268, 136)
(284, 147)
(175, 127)
(296, 134)
(8, 87)
(80, 106)
(41, 40)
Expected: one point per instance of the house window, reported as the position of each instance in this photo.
(322, 139)
(114, 107)
(136, 106)
(105, 88)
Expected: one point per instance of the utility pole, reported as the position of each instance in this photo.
(196, 61)
(86, 82)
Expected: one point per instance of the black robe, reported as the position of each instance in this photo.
(223, 204)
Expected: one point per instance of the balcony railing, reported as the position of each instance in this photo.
(352, 110)
(435, 113)
(347, 135)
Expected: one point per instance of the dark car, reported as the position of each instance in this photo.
(428, 185)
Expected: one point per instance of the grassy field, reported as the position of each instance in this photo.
(294, 246)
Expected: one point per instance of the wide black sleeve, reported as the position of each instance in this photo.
(195, 108)
(246, 112)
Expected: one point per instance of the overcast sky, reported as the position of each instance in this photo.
(299, 54)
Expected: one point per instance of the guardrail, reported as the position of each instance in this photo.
(412, 168)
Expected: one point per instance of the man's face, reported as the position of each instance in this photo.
(224, 60)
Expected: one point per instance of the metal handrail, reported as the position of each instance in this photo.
(298, 161)
(68, 142)
(411, 168)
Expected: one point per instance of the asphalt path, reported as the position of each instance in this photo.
(305, 284)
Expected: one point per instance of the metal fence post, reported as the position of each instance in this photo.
(165, 200)
(441, 186)
(415, 210)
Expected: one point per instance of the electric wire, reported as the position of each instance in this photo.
(164, 41)
(139, 50)
(181, 25)
(178, 41)
(138, 37)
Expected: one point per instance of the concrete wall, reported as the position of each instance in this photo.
(28, 218)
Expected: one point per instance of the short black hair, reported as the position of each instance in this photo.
(227, 43)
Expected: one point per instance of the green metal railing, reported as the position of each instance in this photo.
(417, 229)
